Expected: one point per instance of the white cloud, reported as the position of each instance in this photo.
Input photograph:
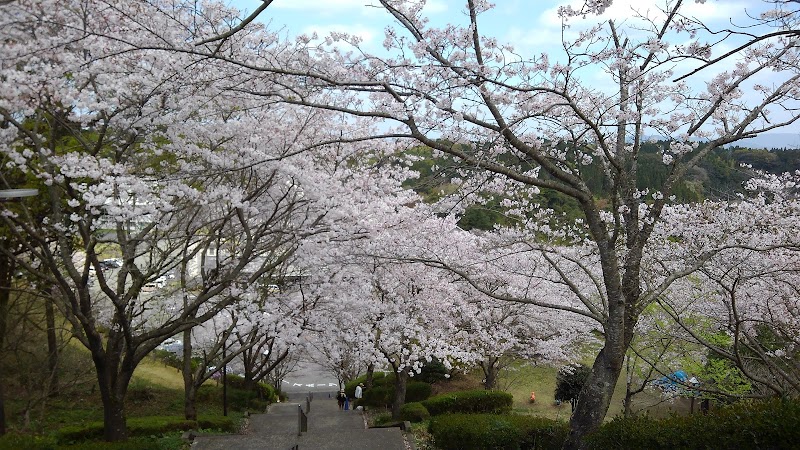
(625, 9)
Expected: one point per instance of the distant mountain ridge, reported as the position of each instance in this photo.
(770, 141)
(762, 141)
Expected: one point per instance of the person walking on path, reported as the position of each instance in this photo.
(359, 394)
(340, 398)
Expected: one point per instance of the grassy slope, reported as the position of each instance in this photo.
(158, 374)
(523, 379)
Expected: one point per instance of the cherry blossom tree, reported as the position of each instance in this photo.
(741, 305)
(147, 161)
(530, 124)
(503, 332)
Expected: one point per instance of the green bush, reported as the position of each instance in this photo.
(168, 358)
(263, 391)
(141, 391)
(470, 402)
(169, 442)
(382, 391)
(495, 431)
(417, 391)
(377, 396)
(432, 372)
(13, 441)
(746, 424)
(218, 423)
(378, 379)
(414, 412)
(76, 433)
(145, 426)
(240, 400)
(208, 393)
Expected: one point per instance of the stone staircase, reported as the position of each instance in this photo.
(328, 429)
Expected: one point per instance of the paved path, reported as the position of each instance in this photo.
(328, 429)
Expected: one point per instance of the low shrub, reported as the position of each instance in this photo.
(77, 433)
(496, 431)
(168, 358)
(156, 425)
(382, 391)
(218, 423)
(240, 400)
(470, 402)
(169, 442)
(13, 441)
(417, 391)
(378, 379)
(377, 396)
(263, 391)
(141, 391)
(383, 419)
(207, 393)
(746, 424)
(414, 412)
(145, 426)
(432, 372)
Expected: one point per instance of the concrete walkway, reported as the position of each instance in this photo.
(328, 429)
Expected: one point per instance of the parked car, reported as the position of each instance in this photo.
(111, 263)
(172, 345)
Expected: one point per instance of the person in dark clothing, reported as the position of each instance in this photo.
(340, 398)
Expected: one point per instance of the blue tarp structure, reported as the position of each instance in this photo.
(672, 381)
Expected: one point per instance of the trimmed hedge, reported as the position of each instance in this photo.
(756, 425)
(496, 431)
(414, 412)
(263, 391)
(378, 379)
(417, 391)
(470, 402)
(146, 426)
(13, 441)
(382, 391)
(377, 396)
(167, 442)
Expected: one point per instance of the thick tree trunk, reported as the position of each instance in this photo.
(249, 382)
(114, 422)
(2, 410)
(113, 380)
(190, 402)
(189, 388)
(490, 371)
(370, 376)
(5, 291)
(595, 397)
(400, 383)
(249, 359)
(113, 397)
(52, 345)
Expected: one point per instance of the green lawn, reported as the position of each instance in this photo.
(523, 379)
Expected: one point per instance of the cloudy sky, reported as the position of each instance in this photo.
(531, 26)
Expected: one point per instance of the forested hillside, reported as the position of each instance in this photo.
(719, 176)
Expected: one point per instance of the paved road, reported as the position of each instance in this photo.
(328, 429)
